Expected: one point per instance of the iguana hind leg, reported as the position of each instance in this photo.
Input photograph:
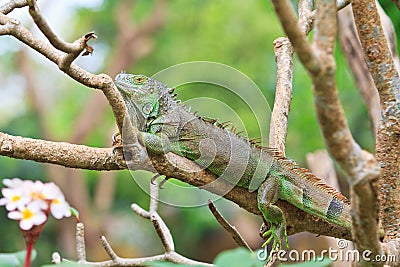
(268, 195)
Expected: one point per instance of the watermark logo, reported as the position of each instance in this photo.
(249, 106)
(342, 253)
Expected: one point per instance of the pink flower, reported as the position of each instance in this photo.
(30, 215)
(58, 206)
(14, 198)
(29, 200)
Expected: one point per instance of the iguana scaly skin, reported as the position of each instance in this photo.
(165, 125)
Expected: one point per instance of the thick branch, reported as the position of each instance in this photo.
(354, 55)
(326, 25)
(380, 63)
(84, 157)
(358, 164)
(60, 153)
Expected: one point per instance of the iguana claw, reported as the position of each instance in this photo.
(275, 233)
(154, 178)
(163, 181)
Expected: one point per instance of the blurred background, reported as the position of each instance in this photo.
(39, 101)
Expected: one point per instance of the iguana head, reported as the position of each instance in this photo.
(141, 95)
(145, 98)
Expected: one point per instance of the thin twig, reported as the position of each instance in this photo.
(48, 32)
(73, 50)
(228, 227)
(162, 231)
(154, 190)
(80, 241)
(101, 81)
(307, 55)
(11, 5)
(108, 249)
(283, 94)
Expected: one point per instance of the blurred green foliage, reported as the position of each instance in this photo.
(237, 33)
(15, 259)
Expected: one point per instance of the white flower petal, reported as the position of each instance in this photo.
(60, 209)
(39, 205)
(15, 215)
(9, 193)
(12, 183)
(25, 224)
(11, 206)
(52, 191)
(39, 218)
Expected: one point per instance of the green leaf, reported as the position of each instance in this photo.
(15, 259)
(239, 257)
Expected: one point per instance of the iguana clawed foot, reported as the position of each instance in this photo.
(161, 183)
(276, 233)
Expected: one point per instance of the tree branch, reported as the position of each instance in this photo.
(284, 10)
(358, 164)
(78, 156)
(381, 65)
(161, 229)
(11, 5)
(283, 94)
(354, 55)
(84, 157)
(9, 26)
(60, 153)
(228, 227)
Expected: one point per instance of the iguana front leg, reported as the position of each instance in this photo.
(268, 195)
(160, 143)
(155, 143)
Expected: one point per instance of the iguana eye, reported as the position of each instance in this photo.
(139, 79)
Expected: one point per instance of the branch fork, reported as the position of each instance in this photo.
(161, 229)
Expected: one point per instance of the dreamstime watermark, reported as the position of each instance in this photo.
(224, 80)
(343, 253)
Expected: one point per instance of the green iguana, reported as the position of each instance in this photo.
(165, 125)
